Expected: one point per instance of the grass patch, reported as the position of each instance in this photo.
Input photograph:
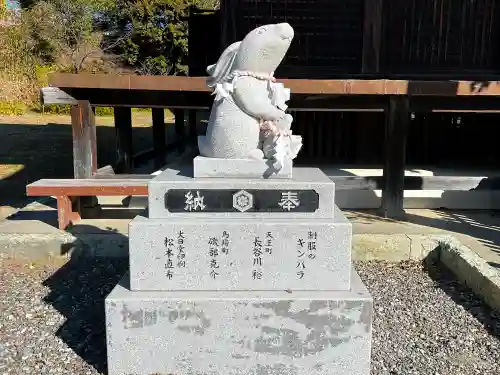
(13, 108)
(18, 108)
(8, 170)
(99, 111)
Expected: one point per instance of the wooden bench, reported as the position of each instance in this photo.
(68, 191)
(397, 98)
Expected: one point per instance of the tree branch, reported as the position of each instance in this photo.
(101, 49)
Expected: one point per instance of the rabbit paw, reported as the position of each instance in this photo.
(285, 123)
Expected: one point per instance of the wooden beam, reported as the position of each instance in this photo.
(372, 36)
(179, 129)
(128, 82)
(159, 142)
(439, 85)
(124, 148)
(84, 140)
(88, 187)
(396, 130)
(142, 98)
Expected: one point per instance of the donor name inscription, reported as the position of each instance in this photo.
(248, 200)
(218, 254)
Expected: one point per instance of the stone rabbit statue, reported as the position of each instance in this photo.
(248, 119)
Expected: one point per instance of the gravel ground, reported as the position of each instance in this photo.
(427, 323)
(52, 320)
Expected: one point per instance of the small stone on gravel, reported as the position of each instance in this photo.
(425, 323)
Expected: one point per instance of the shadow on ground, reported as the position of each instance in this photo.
(43, 209)
(463, 296)
(46, 151)
(483, 225)
(77, 291)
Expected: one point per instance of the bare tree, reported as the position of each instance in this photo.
(67, 33)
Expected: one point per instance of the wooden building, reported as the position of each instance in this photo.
(338, 38)
(397, 39)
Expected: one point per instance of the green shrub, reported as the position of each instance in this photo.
(42, 74)
(13, 108)
(56, 109)
(104, 111)
(59, 109)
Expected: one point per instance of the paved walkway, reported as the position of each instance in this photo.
(479, 230)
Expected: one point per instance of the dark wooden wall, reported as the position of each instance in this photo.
(383, 39)
(338, 38)
(451, 36)
(441, 140)
(328, 33)
(203, 40)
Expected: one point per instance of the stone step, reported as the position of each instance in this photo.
(240, 254)
(310, 193)
(245, 332)
(239, 168)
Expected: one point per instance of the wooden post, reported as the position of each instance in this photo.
(123, 126)
(193, 132)
(396, 131)
(84, 140)
(372, 36)
(159, 144)
(179, 129)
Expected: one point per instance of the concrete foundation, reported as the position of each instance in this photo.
(239, 333)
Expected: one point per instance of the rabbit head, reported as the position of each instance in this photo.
(261, 51)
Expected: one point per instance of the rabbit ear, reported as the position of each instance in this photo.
(219, 71)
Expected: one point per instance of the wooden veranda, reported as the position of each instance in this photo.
(188, 95)
(407, 66)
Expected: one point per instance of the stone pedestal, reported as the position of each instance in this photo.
(239, 168)
(240, 332)
(309, 194)
(240, 276)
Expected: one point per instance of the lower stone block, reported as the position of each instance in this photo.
(239, 333)
(239, 168)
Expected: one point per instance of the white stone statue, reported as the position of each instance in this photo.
(248, 119)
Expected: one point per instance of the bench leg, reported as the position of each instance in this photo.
(66, 213)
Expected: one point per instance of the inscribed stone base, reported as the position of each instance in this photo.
(239, 168)
(309, 194)
(240, 254)
(239, 333)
